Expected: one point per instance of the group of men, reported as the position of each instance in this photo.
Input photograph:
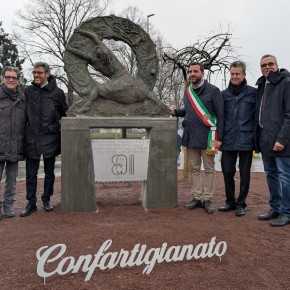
(30, 128)
(237, 121)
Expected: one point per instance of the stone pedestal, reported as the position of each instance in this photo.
(77, 170)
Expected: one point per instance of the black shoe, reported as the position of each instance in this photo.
(28, 210)
(268, 215)
(227, 207)
(281, 221)
(47, 206)
(240, 211)
(8, 211)
(208, 207)
(194, 204)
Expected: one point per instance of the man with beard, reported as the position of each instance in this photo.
(238, 141)
(203, 124)
(12, 118)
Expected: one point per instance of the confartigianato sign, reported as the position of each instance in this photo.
(54, 257)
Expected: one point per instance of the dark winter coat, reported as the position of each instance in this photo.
(276, 126)
(239, 119)
(12, 120)
(195, 133)
(44, 108)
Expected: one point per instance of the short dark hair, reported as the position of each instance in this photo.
(201, 66)
(11, 68)
(240, 64)
(43, 64)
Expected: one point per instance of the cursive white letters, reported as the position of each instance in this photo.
(136, 257)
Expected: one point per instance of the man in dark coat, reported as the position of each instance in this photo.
(273, 137)
(45, 106)
(238, 141)
(12, 119)
(199, 124)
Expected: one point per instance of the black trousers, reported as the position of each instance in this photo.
(32, 166)
(228, 162)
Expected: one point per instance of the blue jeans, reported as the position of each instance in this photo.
(277, 170)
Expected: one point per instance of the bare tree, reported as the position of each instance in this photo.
(46, 27)
(121, 49)
(215, 52)
(169, 86)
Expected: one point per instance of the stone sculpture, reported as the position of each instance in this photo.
(122, 94)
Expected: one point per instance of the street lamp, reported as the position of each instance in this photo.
(148, 16)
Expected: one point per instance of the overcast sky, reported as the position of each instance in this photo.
(258, 26)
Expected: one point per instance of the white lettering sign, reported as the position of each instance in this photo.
(120, 159)
(53, 257)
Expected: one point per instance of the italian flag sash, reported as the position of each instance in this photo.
(206, 117)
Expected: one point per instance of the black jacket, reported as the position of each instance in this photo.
(276, 127)
(239, 119)
(12, 120)
(195, 133)
(44, 108)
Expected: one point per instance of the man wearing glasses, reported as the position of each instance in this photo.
(45, 106)
(273, 137)
(12, 120)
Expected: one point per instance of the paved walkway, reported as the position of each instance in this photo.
(22, 174)
(257, 164)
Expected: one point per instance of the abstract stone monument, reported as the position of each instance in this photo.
(123, 101)
(122, 94)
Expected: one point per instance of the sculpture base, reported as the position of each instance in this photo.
(77, 171)
(108, 108)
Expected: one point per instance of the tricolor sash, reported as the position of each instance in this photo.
(206, 117)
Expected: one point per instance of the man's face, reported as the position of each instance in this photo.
(39, 75)
(195, 76)
(237, 75)
(268, 64)
(10, 80)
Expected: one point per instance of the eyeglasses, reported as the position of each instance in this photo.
(269, 64)
(38, 72)
(10, 78)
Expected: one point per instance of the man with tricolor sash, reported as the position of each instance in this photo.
(203, 123)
